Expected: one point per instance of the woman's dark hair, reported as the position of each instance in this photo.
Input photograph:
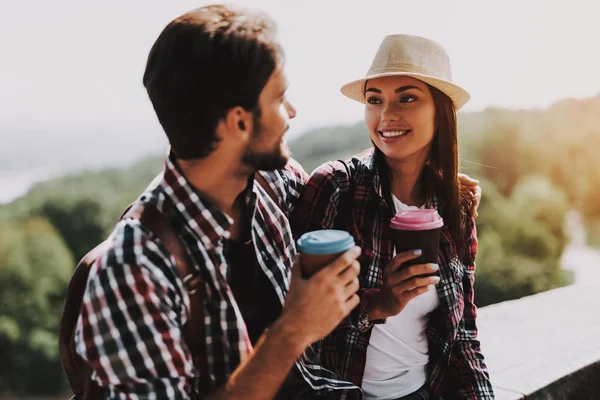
(440, 175)
(203, 64)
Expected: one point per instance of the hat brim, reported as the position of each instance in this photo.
(458, 95)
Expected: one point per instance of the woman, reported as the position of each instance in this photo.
(414, 334)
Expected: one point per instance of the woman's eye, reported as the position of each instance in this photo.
(407, 99)
(373, 100)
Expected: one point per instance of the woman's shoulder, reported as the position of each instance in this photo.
(344, 169)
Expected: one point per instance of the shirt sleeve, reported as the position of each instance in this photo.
(129, 330)
(317, 206)
(469, 376)
(286, 184)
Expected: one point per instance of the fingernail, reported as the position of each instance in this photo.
(435, 267)
(436, 279)
(417, 252)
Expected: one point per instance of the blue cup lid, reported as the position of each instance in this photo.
(327, 241)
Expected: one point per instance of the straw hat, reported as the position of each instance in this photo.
(412, 56)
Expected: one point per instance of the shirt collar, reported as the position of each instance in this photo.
(368, 159)
(203, 217)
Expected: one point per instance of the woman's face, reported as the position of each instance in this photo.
(400, 116)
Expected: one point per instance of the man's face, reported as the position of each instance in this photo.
(267, 149)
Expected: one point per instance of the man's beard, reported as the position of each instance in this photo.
(271, 160)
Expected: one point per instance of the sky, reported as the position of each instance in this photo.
(78, 62)
(71, 93)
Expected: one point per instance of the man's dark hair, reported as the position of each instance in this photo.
(202, 65)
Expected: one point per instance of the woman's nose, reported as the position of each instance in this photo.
(391, 112)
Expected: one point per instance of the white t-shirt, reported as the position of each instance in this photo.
(396, 363)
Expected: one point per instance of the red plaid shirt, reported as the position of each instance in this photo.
(135, 306)
(456, 368)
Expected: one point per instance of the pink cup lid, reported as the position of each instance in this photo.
(417, 220)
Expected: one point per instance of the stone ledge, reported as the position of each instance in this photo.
(506, 394)
(582, 384)
(546, 345)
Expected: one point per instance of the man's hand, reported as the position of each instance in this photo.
(401, 285)
(315, 306)
(474, 188)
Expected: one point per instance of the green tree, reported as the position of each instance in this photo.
(35, 266)
(521, 239)
(79, 222)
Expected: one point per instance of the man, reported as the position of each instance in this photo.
(216, 81)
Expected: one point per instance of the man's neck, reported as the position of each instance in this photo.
(219, 181)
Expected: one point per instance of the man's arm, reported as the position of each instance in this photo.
(130, 327)
(312, 310)
(129, 330)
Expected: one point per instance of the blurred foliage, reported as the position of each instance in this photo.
(333, 143)
(82, 236)
(593, 233)
(113, 189)
(35, 266)
(533, 165)
(42, 234)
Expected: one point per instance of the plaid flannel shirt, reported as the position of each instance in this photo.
(135, 306)
(456, 368)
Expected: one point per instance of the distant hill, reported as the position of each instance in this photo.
(496, 144)
(329, 143)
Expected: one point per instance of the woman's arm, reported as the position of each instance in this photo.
(468, 376)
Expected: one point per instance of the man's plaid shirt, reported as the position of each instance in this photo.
(135, 306)
(456, 366)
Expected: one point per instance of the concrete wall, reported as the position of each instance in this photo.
(545, 346)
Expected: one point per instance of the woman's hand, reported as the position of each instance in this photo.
(401, 285)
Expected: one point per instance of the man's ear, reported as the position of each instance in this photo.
(239, 123)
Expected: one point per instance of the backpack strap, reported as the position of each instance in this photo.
(345, 210)
(193, 333)
(158, 224)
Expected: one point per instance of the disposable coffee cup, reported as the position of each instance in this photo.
(417, 229)
(319, 248)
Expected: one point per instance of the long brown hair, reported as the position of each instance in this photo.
(440, 174)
